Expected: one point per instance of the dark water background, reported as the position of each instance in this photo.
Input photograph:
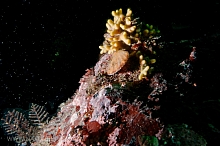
(46, 46)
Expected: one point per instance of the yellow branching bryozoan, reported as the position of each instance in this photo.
(143, 68)
(126, 37)
(119, 32)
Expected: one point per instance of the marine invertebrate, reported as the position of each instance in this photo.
(149, 31)
(143, 67)
(118, 39)
(112, 106)
(111, 63)
(119, 32)
(119, 58)
(126, 34)
(22, 128)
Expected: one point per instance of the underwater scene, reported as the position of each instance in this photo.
(128, 73)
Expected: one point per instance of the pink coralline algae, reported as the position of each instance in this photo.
(117, 112)
(116, 108)
(104, 118)
(113, 105)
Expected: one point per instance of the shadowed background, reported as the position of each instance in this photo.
(46, 46)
